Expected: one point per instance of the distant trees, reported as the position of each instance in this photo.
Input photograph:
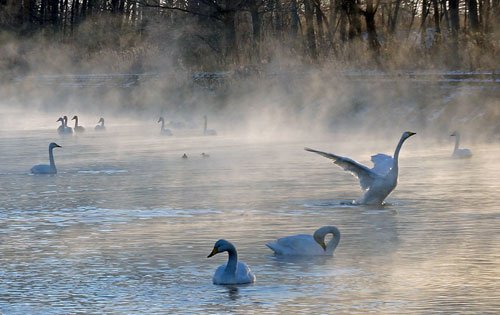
(251, 31)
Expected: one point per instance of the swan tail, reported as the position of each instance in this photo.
(274, 247)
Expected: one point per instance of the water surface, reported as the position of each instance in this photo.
(126, 225)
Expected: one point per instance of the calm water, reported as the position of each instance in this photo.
(126, 225)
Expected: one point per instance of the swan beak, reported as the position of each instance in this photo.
(323, 245)
(214, 251)
(58, 146)
(411, 133)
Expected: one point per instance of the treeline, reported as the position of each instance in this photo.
(227, 33)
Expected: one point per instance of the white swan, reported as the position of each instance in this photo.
(208, 132)
(77, 128)
(163, 130)
(101, 126)
(67, 130)
(47, 169)
(377, 182)
(459, 153)
(62, 129)
(234, 272)
(307, 245)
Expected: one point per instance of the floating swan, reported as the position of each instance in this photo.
(77, 128)
(307, 245)
(205, 155)
(208, 132)
(184, 156)
(67, 129)
(47, 169)
(62, 129)
(234, 271)
(377, 182)
(459, 153)
(163, 130)
(101, 126)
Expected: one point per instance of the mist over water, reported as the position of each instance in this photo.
(126, 224)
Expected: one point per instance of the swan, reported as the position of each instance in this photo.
(77, 128)
(377, 182)
(163, 130)
(101, 126)
(47, 169)
(67, 129)
(459, 153)
(205, 155)
(184, 156)
(234, 272)
(307, 245)
(60, 129)
(208, 132)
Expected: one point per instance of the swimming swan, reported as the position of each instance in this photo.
(377, 182)
(234, 272)
(101, 126)
(77, 128)
(163, 130)
(47, 169)
(307, 245)
(62, 129)
(208, 132)
(67, 129)
(459, 153)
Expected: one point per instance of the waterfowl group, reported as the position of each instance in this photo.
(377, 182)
(63, 129)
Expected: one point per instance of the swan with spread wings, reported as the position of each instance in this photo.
(377, 182)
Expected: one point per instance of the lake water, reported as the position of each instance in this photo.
(126, 225)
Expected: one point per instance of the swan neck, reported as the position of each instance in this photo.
(396, 154)
(334, 242)
(205, 124)
(162, 124)
(51, 158)
(76, 122)
(232, 261)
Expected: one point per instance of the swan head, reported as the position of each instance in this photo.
(74, 117)
(60, 119)
(65, 118)
(408, 134)
(54, 145)
(221, 246)
(319, 235)
(101, 120)
(160, 119)
(454, 134)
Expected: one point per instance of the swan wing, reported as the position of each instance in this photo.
(365, 175)
(382, 163)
